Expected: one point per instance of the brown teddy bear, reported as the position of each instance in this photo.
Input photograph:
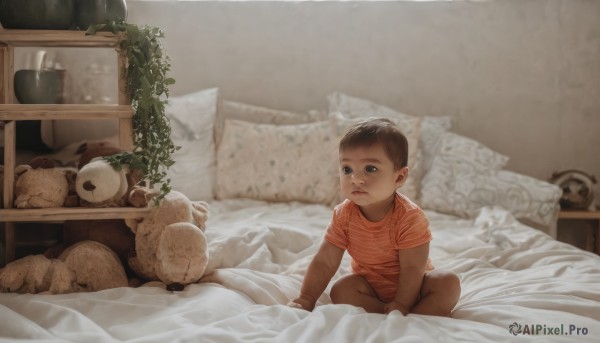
(83, 267)
(41, 185)
(170, 245)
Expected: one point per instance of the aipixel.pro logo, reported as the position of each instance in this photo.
(547, 330)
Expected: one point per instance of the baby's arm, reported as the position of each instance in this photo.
(412, 268)
(319, 273)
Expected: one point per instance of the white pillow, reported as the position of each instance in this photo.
(462, 154)
(277, 162)
(410, 126)
(432, 128)
(192, 119)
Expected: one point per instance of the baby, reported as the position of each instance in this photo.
(385, 233)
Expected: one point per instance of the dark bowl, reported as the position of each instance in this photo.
(37, 14)
(37, 86)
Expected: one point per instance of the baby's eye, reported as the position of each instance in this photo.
(370, 169)
(346, 170)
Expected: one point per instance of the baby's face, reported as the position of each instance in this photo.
(367, 175)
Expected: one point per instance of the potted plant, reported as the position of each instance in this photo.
(148, 87)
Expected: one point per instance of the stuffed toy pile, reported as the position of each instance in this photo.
(166, 247)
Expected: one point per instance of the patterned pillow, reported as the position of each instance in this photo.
(465, 176)
(192, 118)
(277, 162)
(432, 129)
(525, 197)
(410, 126)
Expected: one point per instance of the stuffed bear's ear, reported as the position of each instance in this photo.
(140, 196)
(201, 206)
(80, 149)
(200, 214)
(92, 151)
(41, 162)
(21, 169)
(132, 224)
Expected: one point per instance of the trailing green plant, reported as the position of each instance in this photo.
(148, 89)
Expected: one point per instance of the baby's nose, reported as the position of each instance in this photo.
(357, 179)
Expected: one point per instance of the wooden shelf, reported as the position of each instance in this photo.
(11, 113)
(71, 213)
(64, 112)
(58, 38)
(565, 214)
(587, 216)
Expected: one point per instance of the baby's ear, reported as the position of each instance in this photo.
(401, 176)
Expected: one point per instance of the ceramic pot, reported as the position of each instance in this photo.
(90, 12)
(37, 86)
(37, 14)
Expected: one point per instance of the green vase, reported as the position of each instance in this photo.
(37, 14)
(90, 12)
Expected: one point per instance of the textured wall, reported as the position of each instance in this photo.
(522, 76)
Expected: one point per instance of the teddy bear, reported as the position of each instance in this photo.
(170, 245)
(170, 251)
(41, 185)
(70, 272)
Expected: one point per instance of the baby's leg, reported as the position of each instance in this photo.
(355, 290)
(439, 294)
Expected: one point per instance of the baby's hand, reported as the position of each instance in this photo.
(295, 305)
(302, 304)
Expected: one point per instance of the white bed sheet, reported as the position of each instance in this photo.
(510, 274)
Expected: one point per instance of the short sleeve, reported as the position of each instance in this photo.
(413, 230)
(337, 231)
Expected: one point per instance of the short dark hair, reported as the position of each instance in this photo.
(375, 130)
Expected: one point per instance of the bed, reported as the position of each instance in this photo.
(268, 217)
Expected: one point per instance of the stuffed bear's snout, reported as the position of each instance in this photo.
(89, 186)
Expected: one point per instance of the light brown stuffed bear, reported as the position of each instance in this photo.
(40, 185)
(83, 267)
(170, 245)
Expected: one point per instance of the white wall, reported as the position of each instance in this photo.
(522, 76)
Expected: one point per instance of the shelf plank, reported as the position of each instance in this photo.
(64, 112)
(579, 214)
(58, 38)
(78, 213)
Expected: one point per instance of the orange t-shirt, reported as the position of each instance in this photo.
(374, 246)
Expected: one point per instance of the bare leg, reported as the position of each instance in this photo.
(439, 294)
(355, 290)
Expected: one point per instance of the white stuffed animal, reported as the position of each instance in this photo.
(98, 184)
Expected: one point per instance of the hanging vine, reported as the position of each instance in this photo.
(148, 87)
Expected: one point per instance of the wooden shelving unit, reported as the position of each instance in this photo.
(10, 113)
(587, 216)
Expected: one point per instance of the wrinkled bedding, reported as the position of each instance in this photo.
(516, 282)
